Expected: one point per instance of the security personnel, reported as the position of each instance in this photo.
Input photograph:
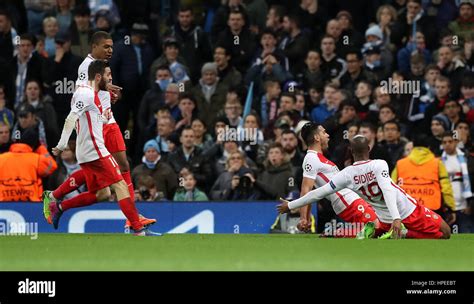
(425, 178)
(22, 168)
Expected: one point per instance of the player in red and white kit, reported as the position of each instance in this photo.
(317, 171)
(102, 48)
(371, 180)
(100, 169)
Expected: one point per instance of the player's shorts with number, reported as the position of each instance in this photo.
(421, 220)
(101, 173)
(358, 212)
(113, 138)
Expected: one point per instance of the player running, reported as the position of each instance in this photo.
(318, 170)
(371, 180)
(100, 169)
(102, 48)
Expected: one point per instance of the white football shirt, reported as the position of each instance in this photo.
(89, 127)
(371, 181)
(104, 96)
(317, 167)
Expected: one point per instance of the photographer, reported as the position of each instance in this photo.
(146, 190)
(235, 183)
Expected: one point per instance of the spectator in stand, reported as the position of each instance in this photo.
(173, 60)
(364, 99)
(377, 151)
(393, 142)
(210, 94)
(355, 71)
(243, 51)
(6, 115)
(463, 26)
(221, 18)
(332, 66)
(187, 111)
(381, 98)
(277, 180)
(269, 63)
(152, 165)
(414, 13)
(386, 20)
(154, 98)
(22, 168)
(467, 96)
(146, 190)
(202, 139)
(28, 119)
(43, 108)
(442, 95)
(5, 141)
(129, 65)
(172, 100)
(455, 162)
(233, 184)
(387, 113)
(268, 105)
(24, 66)
(451, 67)
(50, 29)
(274, 21)
(165, 127)
(295, 44)
(289, 142)
(255, 138)
(352, 37)
(63, 14)
(328, 106)
(62, 73)
(233, 109)
(417, 45)
(193, 41)
(337, 125)
(189, 157)
(374, 40)
(312, 74)
(453, 111)
(81, 31)
(373, 61)
(439, 125)
(37, 11)
(189, 192)
(463, 132)
(7, 37)
(228, 74)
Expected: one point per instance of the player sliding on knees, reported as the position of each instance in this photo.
(317, 171)
(371, 180)
(102, 48)
(100, 169)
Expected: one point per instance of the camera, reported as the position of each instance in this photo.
(145, 193)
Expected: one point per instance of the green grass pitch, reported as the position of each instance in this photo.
(232, 252)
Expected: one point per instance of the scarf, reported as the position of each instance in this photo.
(466, 183)
(150, 165)
(208, 90)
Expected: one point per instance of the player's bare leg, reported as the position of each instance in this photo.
(129, 210)
(121, 159)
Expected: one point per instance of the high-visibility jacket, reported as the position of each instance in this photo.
(21, 170)
(424, 177)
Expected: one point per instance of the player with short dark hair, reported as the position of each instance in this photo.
(393, 206)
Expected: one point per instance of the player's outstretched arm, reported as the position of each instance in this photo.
(69, 125)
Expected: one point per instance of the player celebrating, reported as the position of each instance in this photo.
(371, 180)
(317, 170)
(99, 167)
(102, 48)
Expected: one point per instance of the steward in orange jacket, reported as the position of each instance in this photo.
(22, 168)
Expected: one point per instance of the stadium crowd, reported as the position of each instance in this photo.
(400, 72)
